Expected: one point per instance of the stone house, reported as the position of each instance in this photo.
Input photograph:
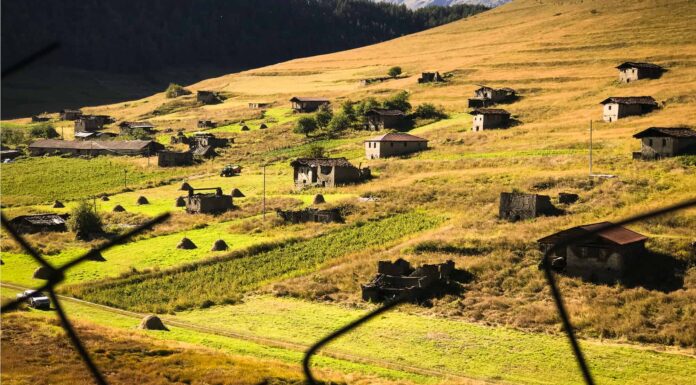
(632, 71)
(70, 114)
(128, 128)
(259, 105)
(430, 77)
(39, 223)
(326, 172)
(39, 118)
(208, 97)
(206, 124)
(596, 252)
(211, 203)
(488, 118)
(95, 147)
(91, 135)
(487, 96)
(174, 158)
(380, 118)
(205, 139)
(88, 123)
(396, 279)
(393, 144)
(664, 142)
(520, 206)
(620, 107)
(311, 215)
(304, 104)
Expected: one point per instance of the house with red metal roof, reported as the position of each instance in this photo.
(393, 144)
(598, 252)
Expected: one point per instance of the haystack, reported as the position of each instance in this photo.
(105, 198)
(58, 205)
(96, 256)
(2, 262)
(42, 272)
(219, 245)
(245, 128)
(263, 126)
(180, 202)
(142, 201)
(186, 244)
(118, 209)
(152, 322)
(185, 187)
(236, 193)
(318, 199)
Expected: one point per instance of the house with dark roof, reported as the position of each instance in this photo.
(89, 123)
(326, 172)
(485, 96)
(129, 128)
(39, 223)
(664, 142)
(430, 77)
(95, 147)
(174, 158)
(617, 107)
(70, 114)
(488, 118)
(599, 252)
(307, 104)
(208, 97)
(632, 71)
(381, 118)
(393, 144)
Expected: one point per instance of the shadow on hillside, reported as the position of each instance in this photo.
(656, 271)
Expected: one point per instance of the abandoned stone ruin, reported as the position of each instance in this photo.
(179, 138)
(307, 104)
(486, 96)
(311, 215)
(398, 278)
(430, 77)
(208, 97)
(567, 198)
(174, 158)
(70, 114)
(516, 206)
(39, 223)
(327, 172)
(210, 203)
(206, 124)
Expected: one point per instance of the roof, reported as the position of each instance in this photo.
(607, 231)
(313, 162)
(674, 132)
(630, 100)
(396, 137)
(84, 134)
(204, 151)
(92, 144)
(641, 65)
(385, 112)
(41, 219)
(506, 89)
(489, 111)
(138, 124)
(308, 99)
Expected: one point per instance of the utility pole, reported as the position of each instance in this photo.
(62, 137)
(590, 148)
(264, 192)
(125, 185)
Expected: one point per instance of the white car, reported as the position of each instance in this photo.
(36, 299)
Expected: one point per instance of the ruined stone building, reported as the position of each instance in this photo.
(326, 172)
(632, 71)
(129, 128)
(306, 104)
(208, 97)
(311, 215)
(430, 77)
(519, 206)
(206, 124)
(208, 203)
(664, 142)
(395, 279)
(603, 257)
(487, 96)
(88, 123)
(174, 158)
(259, 105)
(620, 107)
(39, 223)
(205, 139)
(70, 114)
(380, 118)
(489, 118)
(393, 144)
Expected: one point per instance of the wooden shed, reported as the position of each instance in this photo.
(393, 144)
(617, 107)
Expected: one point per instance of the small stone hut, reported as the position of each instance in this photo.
(307, 104)
(326, 172)
(632, 71)
(519, 206)
(664, 142)
(88, 123)
(208, 97)
(208, 203)
(603, 257)
(430, 77)
(485, 96)
(393, 144)
(616, 107)
(130, 128)
(70, 114)
(381, 118)
(489, 118)
(311, 215)
(174, 158)
(395, 279)
(39, 223)
(259, 105)
(206, 124)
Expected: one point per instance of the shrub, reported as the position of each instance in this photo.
(323, 116)
(84, 220)
(315, 151)
(12, 135)
(174, 90)
(398, 101)
(339, 122)
(43, 130)
(429, 111)
(348, 109)
(305, 125)
(394, 71)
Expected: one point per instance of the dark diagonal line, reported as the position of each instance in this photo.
(30, 59)
(22, 242)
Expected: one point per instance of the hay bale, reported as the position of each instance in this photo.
(236, 193)
(2, 262)
(219, 245)
(95, 256)
(42, 272)
(186, 244)
(318, 199)
(142, 201)
(152, 322)
(263, 126)
(245, 128)
(180, 202)
(118, 209)
(105, 198)
(185, 187)
(58, 205)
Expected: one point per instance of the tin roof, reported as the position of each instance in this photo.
(674, 132)
(641, 65)
(489, 111)
(396, 137)
(92, 144)
(40, 219)
(313, 162)
(606, 230)
(646, 100)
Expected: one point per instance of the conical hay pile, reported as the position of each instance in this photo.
(263, 126)
(152, 322)
(245, 128)
(142, 201)
(118, 209)
(180, 202)
(219, 245)
(105, 198)
(58, 205)
(185, 187)
(236, 193)
(186, 244)
(318, 199)
(42, 272)
(96, 256)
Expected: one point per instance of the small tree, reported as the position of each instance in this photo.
(394, 71)
(11, 135)
(174, 90)
(339, 122)
(43, 130)
(398, 101)
(84, 220)
(429, 111)
(348, 109)
(323, 116)
(305, 125)
(315, 151)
